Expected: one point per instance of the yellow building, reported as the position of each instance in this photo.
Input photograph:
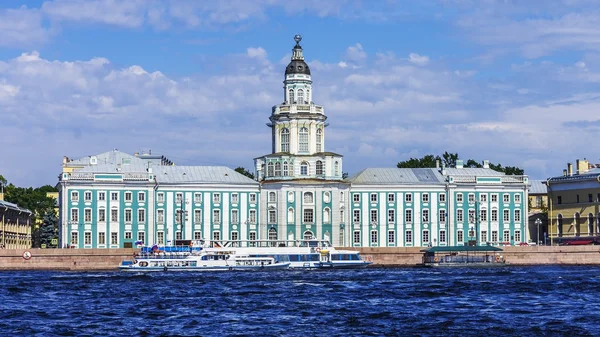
(574, 207)
(15, 226)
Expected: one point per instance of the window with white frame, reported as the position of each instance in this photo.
(494, 236)
(517, 200)
(300, 96)
(326, 197)
(425, 236)
(272, 197)
(87, 238)
(141, 215)
(483, 215)
(87, 196)
(356, 197)
(494, 215)
(141, 196)
(216, 236)
(252, 237)
(234, 198)
(506, 236)
(178, 198)
(101, 196)
(442, 197)
(216, 216)
(391, 215)
(408, 216)
(290, 215)
(142, 237)
(425, 215)
(197, 198)
(442, 214)
(425, 197)
(391, 197)
(74, 238)
(74, 196)
(178, 235)
(494, 197)
(356, 216)
(234, 216)
(460, 236)
(114, 196)
(391, 237)
(506, 198)
(483, 197)
(303, 140)
(160, 197)
(459, 197)
(471, 216)
(128, 196)
(128, 216)
(517, 215)
(319, 168)
(216, 198)
(483, 238)
(342, 218)
(326, 215)
(373, 197)
(178, 216)
(87, 215)
(102, 215)
(197, 235)
(272, 216)
(517, 235)
(319, 140)
(459, 215)
(252, 198)
(285, 140)
(291, 96)
(373, 237)
(101, 238)
(408, 197)
(277, 169)
(471, 198)
(308, 215)
(198, 216)
(114, 238)
(408, 236)
(252, 216)
(374, 217)
(74, 215)
(506, 216)
(235, 236)
(286, 169)
(160, 216)
(304, 168)
(128, 235)
(336, 170)
(442, 236)
(272, 234)
(160, 238)
(308, 198)
(356, 237)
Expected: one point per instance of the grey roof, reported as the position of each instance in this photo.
(397, 176)
(472, 171)
(538, 187)
(13, 206)
(109, 157)
(590, 174)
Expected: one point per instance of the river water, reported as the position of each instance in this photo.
(507, 301)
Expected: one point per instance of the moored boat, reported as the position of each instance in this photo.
(463, 256)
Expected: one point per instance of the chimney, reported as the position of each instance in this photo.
(569, 169)
(486, 164)
(437, 164)
(582, 166)
(65, 160)
(443, 169)
(459, 163)
(564, 172)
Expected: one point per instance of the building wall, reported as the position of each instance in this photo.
(15, 228)
(575, 209)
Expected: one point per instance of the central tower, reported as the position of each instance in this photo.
(303, 194)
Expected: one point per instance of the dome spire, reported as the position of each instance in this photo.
(297, 51)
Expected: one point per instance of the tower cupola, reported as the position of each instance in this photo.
(297, 64)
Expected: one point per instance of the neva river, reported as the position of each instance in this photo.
(508, 301)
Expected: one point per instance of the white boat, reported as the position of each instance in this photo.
(300, 254)
(186, 258)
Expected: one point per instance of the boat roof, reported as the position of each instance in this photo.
(440, 249)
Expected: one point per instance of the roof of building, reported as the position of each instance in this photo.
(12, 206)
(297, 64)
(538, 187)
(472, 171)
(118, 157)
(590, 174)
(382, 176)
(287, 154)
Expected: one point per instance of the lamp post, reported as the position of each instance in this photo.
(538, 222)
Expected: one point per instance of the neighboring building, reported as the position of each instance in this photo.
(114, 200)
(15, 226)
(574, 207)
(538, 209)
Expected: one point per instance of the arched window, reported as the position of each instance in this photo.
(291, 96)
(270, 170)
(285, 169)
(273, 236)
(327, 197)
(272, 197)
(308, 198)
(285, 140)
(278, 169)
(308, 100)
(319, 168)
(591, 224)
(560, 224)
(326, 215)
(303, 140)
(336, 169)
(577, 224)
(308, 235)
(300, 96)
(290, 215)
(304, 168)
(319, 140)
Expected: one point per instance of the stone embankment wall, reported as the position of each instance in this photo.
(109, 259)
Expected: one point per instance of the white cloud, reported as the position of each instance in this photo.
(356, 54)
(22, 27)
(418, 59)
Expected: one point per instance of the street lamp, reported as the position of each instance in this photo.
(538, 222)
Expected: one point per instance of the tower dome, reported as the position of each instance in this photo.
(297, 64)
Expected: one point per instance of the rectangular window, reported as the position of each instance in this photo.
(471, 198)
(483, 215)
(391, 237)
(178, 198)
(471, 216)
(373, 197)
(517, 198)
(425, 236)
(160, 216)
(307, 197)
(517, 215)
(234, 198)
(128, 196)
(197, 197)
(234, 216)
(198, 216)
(252, 236)
(391, 197)
(101, 238)
(559, 200)
(506, 216)
(74, 196)
(87, 238)
(356, 236)
(494, 197)
(87, 215)
(506, 198)
(408, 215)
(518, 236)
(216, 198)
(459, 215)
(442, 215)
(216, 216)
(252, 216)
(356, 197)
(114, 196)
(342, 219)
(197, 235)
(128, 215)
(494, 236)
(141, 215)
(178, 236)
(538, 201)
(408, 197)
(308, 215)
(128, 235)
(178, 216)
(471, 233)
(142, 237)
(459, 236)
(373, 237)
(216, 235)
(74, 238)
(101, 196)
(459, 197)
(374, 217)
(272, 216)
(425, 215)
(442, 236)
(234, 236)
(87, 196)
(483, 197)
(356, 216)
(483, 237)
(494, 215)
(408, 236)
(391, 216)
(101, 215)
(442, 197)
(160, 237)
(253, 199)
(160, 197)
(114, 215)
(114, 238)
(425, 197)
(141, 197)
(74, 215)
(506, 236)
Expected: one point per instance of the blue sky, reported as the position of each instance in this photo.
(515, 82)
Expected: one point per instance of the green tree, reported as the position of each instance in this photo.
(344, 175)
(245, 172)
(449, 159)
(49, 228)
(426, 161)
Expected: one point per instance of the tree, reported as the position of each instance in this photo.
(245, 172)
(49, 228)
(426, 161)
(449, 159)
(344, 175)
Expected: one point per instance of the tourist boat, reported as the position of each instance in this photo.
(300, 254)
(188, 258)
(463, 256)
